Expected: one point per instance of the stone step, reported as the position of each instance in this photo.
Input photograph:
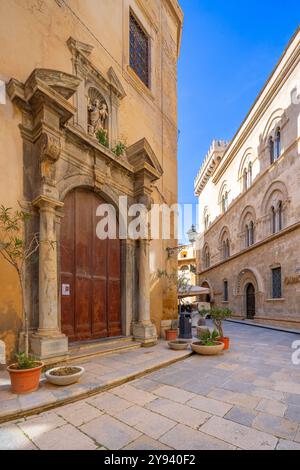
(103, 348)
(91, 344)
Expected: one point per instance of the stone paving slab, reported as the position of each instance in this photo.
(238, 435)
(101, 373)
(179, 407)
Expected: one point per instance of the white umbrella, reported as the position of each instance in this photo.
(192, 291)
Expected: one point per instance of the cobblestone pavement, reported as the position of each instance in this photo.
(247, 398)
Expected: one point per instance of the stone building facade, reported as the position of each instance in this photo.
(81, 78)
(249, 205)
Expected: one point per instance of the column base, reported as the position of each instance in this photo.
(46, 347)
(146, 333)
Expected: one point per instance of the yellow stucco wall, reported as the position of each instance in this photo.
(33, 34)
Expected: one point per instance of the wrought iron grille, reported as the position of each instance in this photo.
(139, 51)
(276, 283)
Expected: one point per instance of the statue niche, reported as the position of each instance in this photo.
(97, 113)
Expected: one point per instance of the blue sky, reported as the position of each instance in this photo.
(229, 48)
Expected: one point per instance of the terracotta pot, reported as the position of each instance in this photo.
(25, 380)
(225, 341)
(199, 348)
(171, 335)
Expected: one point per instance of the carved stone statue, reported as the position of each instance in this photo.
(97, 116)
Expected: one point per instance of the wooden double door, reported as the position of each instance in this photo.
(90, 272)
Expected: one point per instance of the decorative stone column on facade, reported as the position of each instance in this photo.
(147, 169)
(48, 340)
(144, 330)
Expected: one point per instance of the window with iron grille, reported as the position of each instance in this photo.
(139, 51)
(276, 283)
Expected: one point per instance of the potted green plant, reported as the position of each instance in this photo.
(208, 344)
(172, 333)
(218, 315)
(25, 373)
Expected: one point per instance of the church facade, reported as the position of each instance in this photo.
(249, 206)
(89, 116)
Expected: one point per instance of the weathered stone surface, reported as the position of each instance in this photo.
(184, 438)
(146, 443)
(293, 413)
(12, 438)
(209, 405)
(64, 438)
(288, 387)
(239, 435)
(36, 426)
(235, 398)
(110, 432)
(272, 407)
(78, 413)
(275, 425)
(134, 395)
(180, 413)
(175, 394)
(287, 445)
(241, 415)
(109, 403)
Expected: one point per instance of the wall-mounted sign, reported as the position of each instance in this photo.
(65, 290)
(290, 280)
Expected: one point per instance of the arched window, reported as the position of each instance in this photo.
(273, 211)
(251, 234)
(206, 257)
(206, 218)
(280, 218)
(277, 144)
(249, 181)
(226, 249)
(245, 179)
(225, 202)
(271, 147)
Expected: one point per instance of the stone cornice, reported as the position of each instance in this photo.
(265, 241)
(142, 158)
(262, 102)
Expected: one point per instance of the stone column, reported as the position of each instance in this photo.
(144, 330)
(48, 341)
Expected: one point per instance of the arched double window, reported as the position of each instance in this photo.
(277, 217)
(225, 202)
(226, 248)
(250, 234)
(275, 146)
(206, 257)
(247, 177)
(206, 218)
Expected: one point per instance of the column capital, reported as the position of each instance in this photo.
(42, 201)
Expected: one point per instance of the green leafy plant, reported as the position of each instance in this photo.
(17, 251)
(208, 338)
(119, 149)
(102, 137)
(25, 362)
(218, 315)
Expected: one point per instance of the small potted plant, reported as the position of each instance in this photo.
(208, 344)
(218, 315)
(172, 333)
(25, 373)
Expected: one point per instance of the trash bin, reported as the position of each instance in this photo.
(185, 325)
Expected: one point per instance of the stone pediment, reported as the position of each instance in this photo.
(143, 159)
(84, 67)
(48, 85)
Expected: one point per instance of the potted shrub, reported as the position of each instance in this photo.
(172, 333)
(25, 373)
(218, 315)
(65, 375)
(208, 344)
